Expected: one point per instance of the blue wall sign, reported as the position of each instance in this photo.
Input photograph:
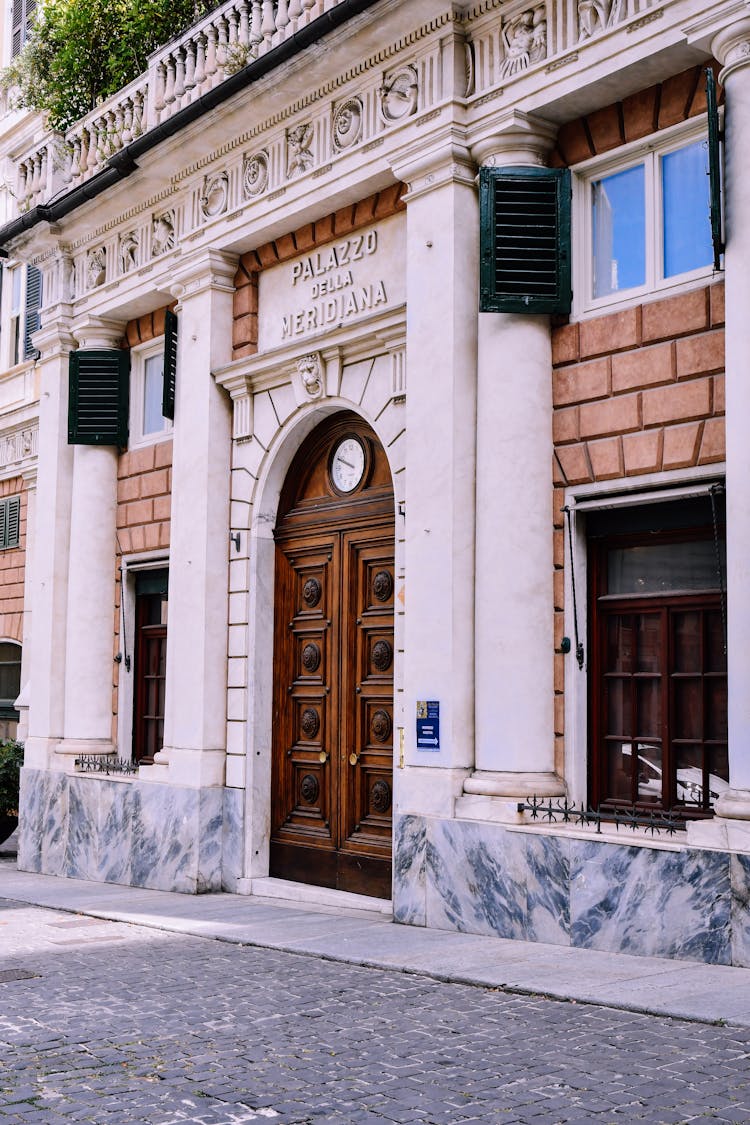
(428, 724)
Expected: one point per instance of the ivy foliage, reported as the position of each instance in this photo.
(79, 52)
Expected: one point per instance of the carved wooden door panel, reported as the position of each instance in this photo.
(331, 805)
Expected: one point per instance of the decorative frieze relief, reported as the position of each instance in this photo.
(254, 174)
(399, 94)
(300, 157)
(127, 251)
(347, 124)
(214, 195)
(96, 267)
(525, 41)
(19, 446)
(163, 233)
(596, 15)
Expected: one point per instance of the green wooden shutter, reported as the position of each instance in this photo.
(10, 522)
(714, 167)
(98, 397)
(170, 365)
(524, 240)
(33, 305)
(13, 521)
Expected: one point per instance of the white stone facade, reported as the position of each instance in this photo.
(307, 282)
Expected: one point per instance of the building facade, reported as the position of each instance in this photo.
(339, 583)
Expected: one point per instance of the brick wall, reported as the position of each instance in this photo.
(636, 391)
(13, 569)
(667, 103)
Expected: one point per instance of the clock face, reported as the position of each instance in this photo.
(348, 464)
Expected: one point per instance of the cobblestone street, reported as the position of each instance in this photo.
(109, 1022)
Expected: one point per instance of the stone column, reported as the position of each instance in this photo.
(732, 48)
(442, 271)
(196, 686)
(514, 568)
(91, 579)
(44, 663)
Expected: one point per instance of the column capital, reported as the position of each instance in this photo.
(439, 159)
(206, 268)
(513, 138)
(731, 46)
(98, 332)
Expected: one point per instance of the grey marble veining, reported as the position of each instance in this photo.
(740, 879)
(232, 838)
(143, 835)
(483, 879)
(651, 902)
(409, 872)
(43, 821)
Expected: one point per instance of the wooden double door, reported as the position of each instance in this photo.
(333, 671)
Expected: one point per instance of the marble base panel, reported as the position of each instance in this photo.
(232, 839)
(475, 877)
(143, 835)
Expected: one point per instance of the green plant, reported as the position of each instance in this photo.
(11, 760)
(78, 52)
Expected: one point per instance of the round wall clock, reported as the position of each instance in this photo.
(348, 464)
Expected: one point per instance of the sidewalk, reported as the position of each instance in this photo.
(658, 986)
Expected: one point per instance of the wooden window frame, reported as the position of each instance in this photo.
(602, 607)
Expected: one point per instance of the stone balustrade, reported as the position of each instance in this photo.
(229, 37)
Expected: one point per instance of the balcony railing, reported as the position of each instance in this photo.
(229, 37)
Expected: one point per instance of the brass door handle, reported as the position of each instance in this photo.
(353, 759)
(323, 756)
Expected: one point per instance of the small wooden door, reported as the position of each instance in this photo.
(333, 670)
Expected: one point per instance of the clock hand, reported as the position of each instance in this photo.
(343, 461)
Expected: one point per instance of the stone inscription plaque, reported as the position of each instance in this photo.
(333, 286)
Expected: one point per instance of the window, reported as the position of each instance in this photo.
(647, 220)
(25, 303)
(147, 421)
(10, 522)
(658, 658)
(10, 679)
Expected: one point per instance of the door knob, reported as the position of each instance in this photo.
(353, 759)
(323, 756)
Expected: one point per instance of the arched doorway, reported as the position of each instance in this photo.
(331, 804)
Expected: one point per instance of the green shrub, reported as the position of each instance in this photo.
(78, 52)
(11, 760)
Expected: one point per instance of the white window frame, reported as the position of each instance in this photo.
(649, 150)
(138, 357)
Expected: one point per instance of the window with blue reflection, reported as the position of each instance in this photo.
(686, 207)
(619, 231)
(153, 387)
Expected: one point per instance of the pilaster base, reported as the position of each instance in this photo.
(68, 749)
(491, 783)
(39, 753)
(428, 790)
(734, 805)
(195, 769)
